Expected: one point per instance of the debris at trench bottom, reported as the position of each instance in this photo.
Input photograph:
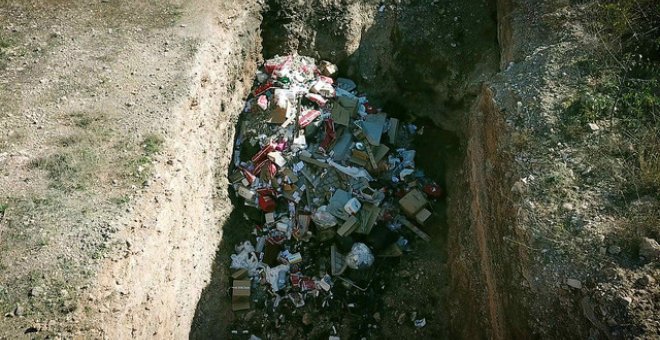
(333, 195)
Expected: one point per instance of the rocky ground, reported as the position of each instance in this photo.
(585, 201)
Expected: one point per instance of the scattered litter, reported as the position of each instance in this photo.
(332, 182)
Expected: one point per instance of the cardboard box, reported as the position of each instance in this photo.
(247, 194)
(422, 216)
(348, 227)
(343, 109)
(239, 274)
(240, 298)
(413, 202)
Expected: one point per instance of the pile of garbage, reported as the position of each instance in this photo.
(335, 184)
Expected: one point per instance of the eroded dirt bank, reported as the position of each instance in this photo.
(176, 227)
(117, 117)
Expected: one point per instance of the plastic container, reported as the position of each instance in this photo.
(352, 206)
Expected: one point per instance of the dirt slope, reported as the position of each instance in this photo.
(112, 133)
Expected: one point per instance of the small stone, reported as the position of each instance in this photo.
(593, 127)
(307, 319)
(36, 291)
(644, 281)
(567, 206)
(402, 318)
(625, 301)
(649, 248)
(518, 187)
(19, 310)
(574, 283)
(614, 249)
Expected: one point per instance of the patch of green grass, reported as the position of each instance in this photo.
(649, 160)
(68, 170)
(3, 208)
(60, 167)
(175, 12)
(85, 120)
(152, 144)
(5, 44)
(70, 140)
(120, 200)
(140, 168)
(43, 241)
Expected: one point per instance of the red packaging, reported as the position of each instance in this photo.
(308, 117)
(326, 79)
(329, 134)
(263, 88)
(307, 284)
(267, 203)
(248, 175)
(433, 190)
(262, 101)
(370, 109)
(263, 154)
(295, 279)
(316, 98)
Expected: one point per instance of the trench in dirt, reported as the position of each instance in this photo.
(413, 79)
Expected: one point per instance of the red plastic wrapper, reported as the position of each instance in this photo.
(281, 145)
(248, 175)
(370, 109)
(262, 102)
(295, 279)
(263, 88)
(433, 190)
(308, 117)
(263, 154)
(316, 98)
(268, 166)
(326, 80)
(330, 134)
(273, 65)
(307, 284)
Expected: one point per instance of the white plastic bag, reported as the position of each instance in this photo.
(359, 257)
(323, 219)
